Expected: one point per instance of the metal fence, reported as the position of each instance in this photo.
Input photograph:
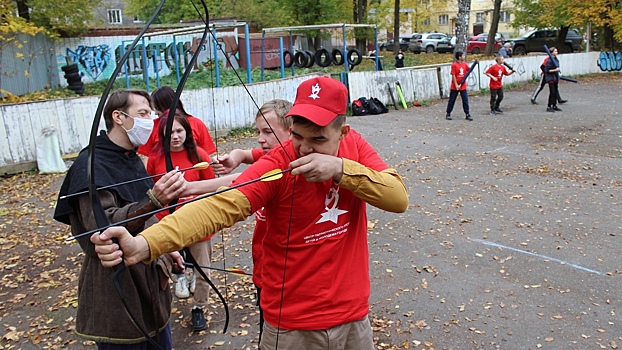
(29, 68)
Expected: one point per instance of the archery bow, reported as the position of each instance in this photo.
(167, 149)
(98, 212)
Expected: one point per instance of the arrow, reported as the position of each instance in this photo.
(231, 270)
(269, 176)
(198, 166)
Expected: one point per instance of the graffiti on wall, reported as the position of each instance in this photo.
(92, 59)
(97, 62)
(610, 61)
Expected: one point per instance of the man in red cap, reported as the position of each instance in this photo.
(315, 275)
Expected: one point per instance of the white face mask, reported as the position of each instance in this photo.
(140, 132)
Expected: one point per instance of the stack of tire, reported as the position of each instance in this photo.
(73, 77)
(322, 58)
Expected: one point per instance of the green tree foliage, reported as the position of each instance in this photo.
(69, 17)
(423, 14)
(564, 14)
(266, 13)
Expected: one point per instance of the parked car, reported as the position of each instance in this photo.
(447, 44)
(475, 45)
(534, 41)
(425, 42)
(389, 45)
(498, 36)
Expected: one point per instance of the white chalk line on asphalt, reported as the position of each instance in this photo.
(537, 255)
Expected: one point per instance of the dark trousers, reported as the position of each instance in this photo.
(453, 95)
(553, 93)
(496, 96)
(165, 339)
(261, 319)
(541, 87)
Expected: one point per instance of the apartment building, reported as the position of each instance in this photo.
(444, 20)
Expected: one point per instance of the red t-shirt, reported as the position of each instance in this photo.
(497, 71)
(157, 165)
(260, 231)
(199, 132)
(459, 69)
(327, 267)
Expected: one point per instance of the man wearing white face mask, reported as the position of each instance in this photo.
(101, 316)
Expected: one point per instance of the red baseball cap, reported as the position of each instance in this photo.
(320, 100)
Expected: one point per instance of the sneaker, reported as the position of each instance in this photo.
(533, 102)
(493, 113)
(468, 117)
(193, 283)
(550, 109)
(562, 101)
(448, 116)
(498, 110)
(557, 108)
(181, 287)
(198, 319)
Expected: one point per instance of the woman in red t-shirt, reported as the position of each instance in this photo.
(185, 153)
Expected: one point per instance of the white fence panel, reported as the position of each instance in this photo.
(231, 107)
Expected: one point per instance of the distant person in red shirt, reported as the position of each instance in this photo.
(315, 269)
(459, 70)
(162, 98)
(496, 73)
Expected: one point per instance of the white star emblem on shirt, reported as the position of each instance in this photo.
(331, 214)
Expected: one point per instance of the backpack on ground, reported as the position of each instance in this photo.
(359, 107)
(375, 106)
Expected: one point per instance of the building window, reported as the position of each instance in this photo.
(138, 20)
(443, 19)
(504, 16)
(426, 22)
(115, 16)
(479, 17)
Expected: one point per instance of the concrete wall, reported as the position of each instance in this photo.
(231, 107)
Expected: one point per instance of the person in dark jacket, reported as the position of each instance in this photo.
(399, 59)
(551, 71)
(101, 315)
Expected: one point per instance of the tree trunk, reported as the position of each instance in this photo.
(396, 27)
(561, 39)
(360, 10)
(462, 26)
(609, 42)
(494, 26)
(22, 9)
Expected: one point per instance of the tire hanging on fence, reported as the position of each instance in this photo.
(337, 56)
(357, 61)
(322, 58)
(300, 59)
(286, 55)
(311, 60)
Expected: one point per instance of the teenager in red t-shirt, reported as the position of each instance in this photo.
(273, 128)
(162, 99)
(496, 73)
(315, 264)
(184, 154)
(459, 70)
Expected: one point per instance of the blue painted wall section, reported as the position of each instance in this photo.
(610, 61)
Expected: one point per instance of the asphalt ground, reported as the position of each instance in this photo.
(511, 240)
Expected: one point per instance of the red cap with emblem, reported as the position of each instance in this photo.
(320, 100)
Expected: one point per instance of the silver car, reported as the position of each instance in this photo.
(425, 42)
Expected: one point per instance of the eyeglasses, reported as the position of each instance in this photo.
(143, 115)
